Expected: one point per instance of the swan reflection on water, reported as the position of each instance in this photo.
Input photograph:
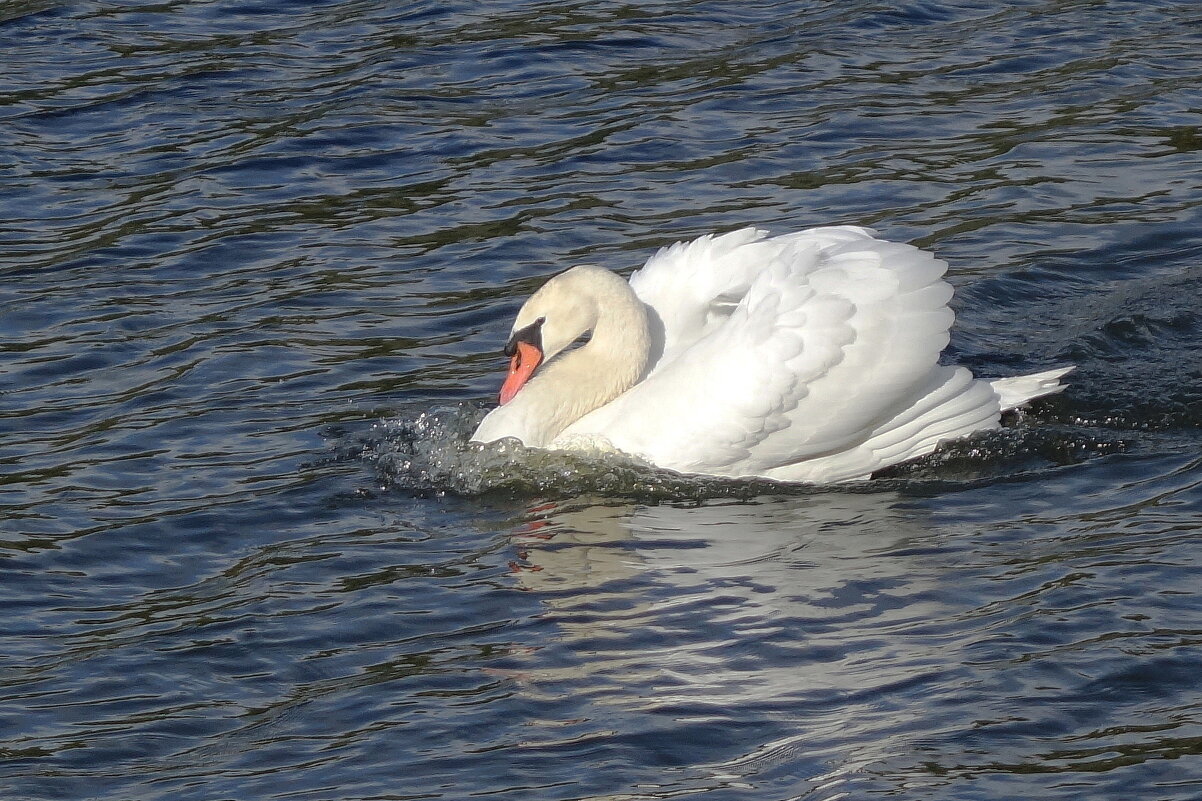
(817, 603)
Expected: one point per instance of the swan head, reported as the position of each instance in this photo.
(559, 313)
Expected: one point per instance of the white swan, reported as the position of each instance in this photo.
(811, 356)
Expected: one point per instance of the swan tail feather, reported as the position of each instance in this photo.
(1021, 389)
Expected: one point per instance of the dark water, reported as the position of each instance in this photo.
(256, 262)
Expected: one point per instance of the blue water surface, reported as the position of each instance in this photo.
(256, 265)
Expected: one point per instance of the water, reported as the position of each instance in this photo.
(256, 264)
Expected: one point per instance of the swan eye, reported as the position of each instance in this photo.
(531, 335)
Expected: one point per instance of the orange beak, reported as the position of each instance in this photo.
(525, 361)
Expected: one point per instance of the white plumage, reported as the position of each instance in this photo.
(811, 356)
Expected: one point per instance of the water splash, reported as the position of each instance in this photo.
(1018, 448)
(430, 452)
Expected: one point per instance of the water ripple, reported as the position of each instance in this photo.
(257, 264)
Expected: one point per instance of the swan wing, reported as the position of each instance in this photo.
(837, 334)
(692, 288)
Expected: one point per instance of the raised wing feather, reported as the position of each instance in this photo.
(836, 334)
(692, 288)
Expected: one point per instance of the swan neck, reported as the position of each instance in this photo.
(609, 364)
